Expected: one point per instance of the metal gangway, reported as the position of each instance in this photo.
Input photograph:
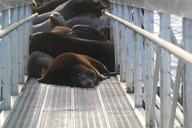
(147, 93)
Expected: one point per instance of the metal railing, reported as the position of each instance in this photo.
(145, 62)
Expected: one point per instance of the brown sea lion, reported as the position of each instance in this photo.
(86, 19)
(74, 70)
(54, 44)
(55, 19)
(61, 30)
(39, 3)
(106, 31)
(87, 32)
(73, 8)
(49, 6)
(37, 63)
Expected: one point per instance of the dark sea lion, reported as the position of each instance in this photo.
(73, 8)
(37, 63)
(86, 19)
(61, 30)
(106, 31)
(49, 6)
(55, 19)
(74, 70)
(87, 32)
(41, 18)
(54, 44)
(39, 3)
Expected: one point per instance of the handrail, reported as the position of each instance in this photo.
(175, 50)
(12, 27)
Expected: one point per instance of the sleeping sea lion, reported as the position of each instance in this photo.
(61, 30)
(74, 70)
(37, 63)
(49, 6)
(87, 32)
(73, 8)
(106, 31)
(54, 44)
(86, 19)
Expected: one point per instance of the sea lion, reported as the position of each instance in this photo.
(87, 32)
(39, 3)
(54, 44)
(55, 19)
(37, 63)
(74, 70)
(106, 31)
(86, 19)
(61, 30)
(49, 6)
(73, 8)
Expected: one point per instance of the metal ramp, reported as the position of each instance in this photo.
(50, 106)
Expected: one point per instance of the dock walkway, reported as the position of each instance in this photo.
(50, 106)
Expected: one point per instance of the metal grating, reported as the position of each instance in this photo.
(119, 111)
(50, 106)
(27, 110)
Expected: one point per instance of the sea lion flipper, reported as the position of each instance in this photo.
(99, 66)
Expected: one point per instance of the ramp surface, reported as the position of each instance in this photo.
(51, 106)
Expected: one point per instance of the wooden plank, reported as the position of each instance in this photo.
(187, 38)
(121, 41)
(28, 27)
(118, 109)
(155, 82)
(149, 71)
(21, 47)
(115, 36)
(26, 37)
(14, 56)
(5, 64)
(138, 64)
(42, 108)
(165, 72)
(180, 66)
(129, 50)
(103, 109)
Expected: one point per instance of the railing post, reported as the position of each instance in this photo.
(21, 47)
(115, 38)
(165, 72)
(5, 62)
(122, 46)
(14, 52)
(129, 52)
(149, 72)
(176, 93)
(187, 39)
(27, 31)
(1, 61)
(138, 63)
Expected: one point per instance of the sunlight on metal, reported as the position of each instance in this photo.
(177, 51)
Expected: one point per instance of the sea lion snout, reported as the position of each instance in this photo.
(84, 77)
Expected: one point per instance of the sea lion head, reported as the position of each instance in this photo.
(84, 77)
(57, 19)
